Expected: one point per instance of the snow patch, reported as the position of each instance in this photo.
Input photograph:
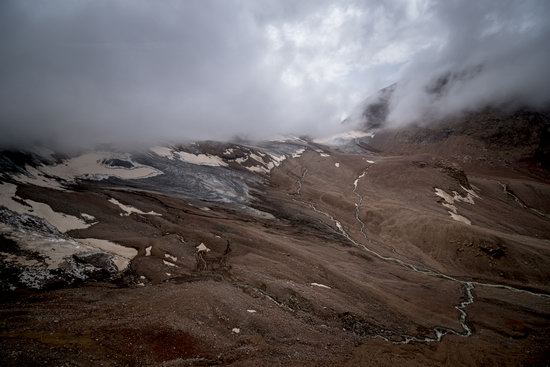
(298, 153)
(37, 178)
(169, 263)
(121, 255)
(85, 166)
(59, 256)
(54, 249)
(258, 169)
(337, 165)
(87, 216)
(256, 157)
(130, 209)
(63, 222)
(148, 251)
(163, 152)
(356, 182)
(320, 285)
(449, 202)
(170, 257)
(460, 218)
(200, 159)
(202, 247)
(266, 161)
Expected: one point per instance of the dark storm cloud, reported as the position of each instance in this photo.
(91, 71)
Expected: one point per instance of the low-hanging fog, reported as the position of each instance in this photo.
(79, 73)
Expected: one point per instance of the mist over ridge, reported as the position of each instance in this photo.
(139, 72)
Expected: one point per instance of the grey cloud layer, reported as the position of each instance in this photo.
(494, 53)
(86, 72)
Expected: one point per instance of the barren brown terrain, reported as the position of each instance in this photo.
(352, 259)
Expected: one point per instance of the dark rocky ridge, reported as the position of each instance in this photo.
(494, 134)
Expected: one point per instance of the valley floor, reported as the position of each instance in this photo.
(349, 259)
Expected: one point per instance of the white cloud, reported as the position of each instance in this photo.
(144, 71)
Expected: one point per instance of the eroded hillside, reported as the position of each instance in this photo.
(275, 253)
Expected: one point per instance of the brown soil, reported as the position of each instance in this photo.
(185, 317)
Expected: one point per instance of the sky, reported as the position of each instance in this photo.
(85, 72)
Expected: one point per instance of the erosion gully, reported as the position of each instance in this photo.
(439, 331)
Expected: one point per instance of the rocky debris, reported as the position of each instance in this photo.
(34, 254)
(454, 171)
(300, 246)
(205, 262)
(490, 136)
(356, 324)
(31, 270)
(115, 162)
(494, 250)
(297, 302)
(27, 222)
(15, 162)
(450, 169)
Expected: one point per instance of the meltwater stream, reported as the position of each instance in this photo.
(439, 332)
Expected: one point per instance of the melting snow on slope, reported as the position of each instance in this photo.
(38, 178)
(274, 160)
(460, 218)
(63, 222)
(200, 159)
(163, 152)
(449, 202)
(169, 263)
(58, 256)
(87, 216)
(202, 247)
(170, 257)
(130, 209)
(53, 249)
(320, 285)
(298, 153)
(122, 255)
(86, 166)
